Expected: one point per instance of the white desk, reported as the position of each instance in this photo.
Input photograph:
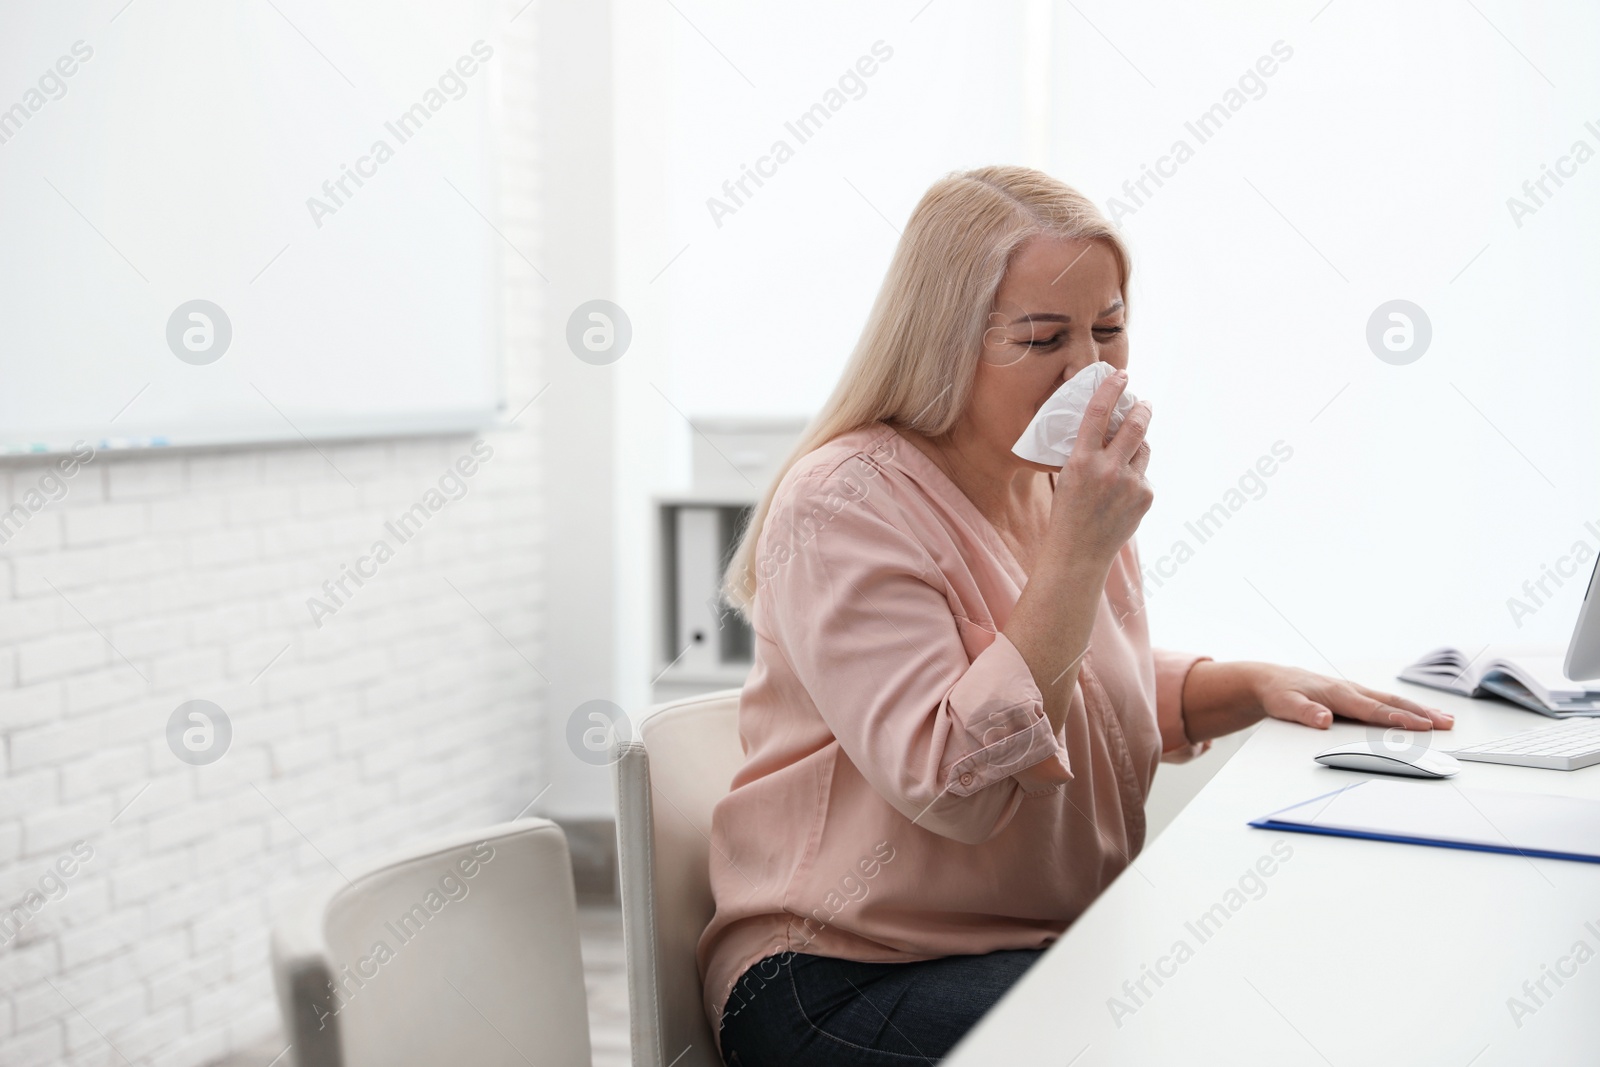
(1356, 953)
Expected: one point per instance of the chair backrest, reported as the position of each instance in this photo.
(668, 779)
(462, 951)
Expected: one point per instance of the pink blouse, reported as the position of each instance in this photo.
(903, 796)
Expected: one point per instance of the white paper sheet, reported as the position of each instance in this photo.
(1444, 812)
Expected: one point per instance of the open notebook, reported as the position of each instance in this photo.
(1534, 681)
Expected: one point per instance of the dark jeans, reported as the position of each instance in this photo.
(796, 1010)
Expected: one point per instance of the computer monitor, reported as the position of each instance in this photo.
(1583, 655)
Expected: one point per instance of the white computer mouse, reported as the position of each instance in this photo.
(1413, 761)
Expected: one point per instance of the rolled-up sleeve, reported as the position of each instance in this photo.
(858, 608)
(998, 700)
(1171, 670)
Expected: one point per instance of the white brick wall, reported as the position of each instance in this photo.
(182, 576)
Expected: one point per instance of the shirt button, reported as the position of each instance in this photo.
(966, 778)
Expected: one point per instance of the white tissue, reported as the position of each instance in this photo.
(1053, 432)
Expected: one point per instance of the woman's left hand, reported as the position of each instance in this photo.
(1300, 696)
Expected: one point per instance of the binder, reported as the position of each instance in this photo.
(1444, 815)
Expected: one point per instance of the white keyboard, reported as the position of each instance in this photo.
(1567, 747)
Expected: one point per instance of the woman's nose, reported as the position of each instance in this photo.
(1080, 361)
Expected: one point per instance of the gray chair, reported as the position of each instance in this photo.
(668, 778)
(463, 951)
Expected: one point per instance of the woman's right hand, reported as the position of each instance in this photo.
(1101, 492)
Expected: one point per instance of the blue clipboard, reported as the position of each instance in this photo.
(1443, 815)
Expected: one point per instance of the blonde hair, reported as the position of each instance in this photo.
(914, 364)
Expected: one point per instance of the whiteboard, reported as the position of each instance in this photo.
(323, 173)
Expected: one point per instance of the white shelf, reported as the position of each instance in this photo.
(731, 675)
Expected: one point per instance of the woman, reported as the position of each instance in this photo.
(955, 715)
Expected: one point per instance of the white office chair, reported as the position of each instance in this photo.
(668, 779)
(461, 952)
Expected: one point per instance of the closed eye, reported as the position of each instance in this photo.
(1104, 332)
